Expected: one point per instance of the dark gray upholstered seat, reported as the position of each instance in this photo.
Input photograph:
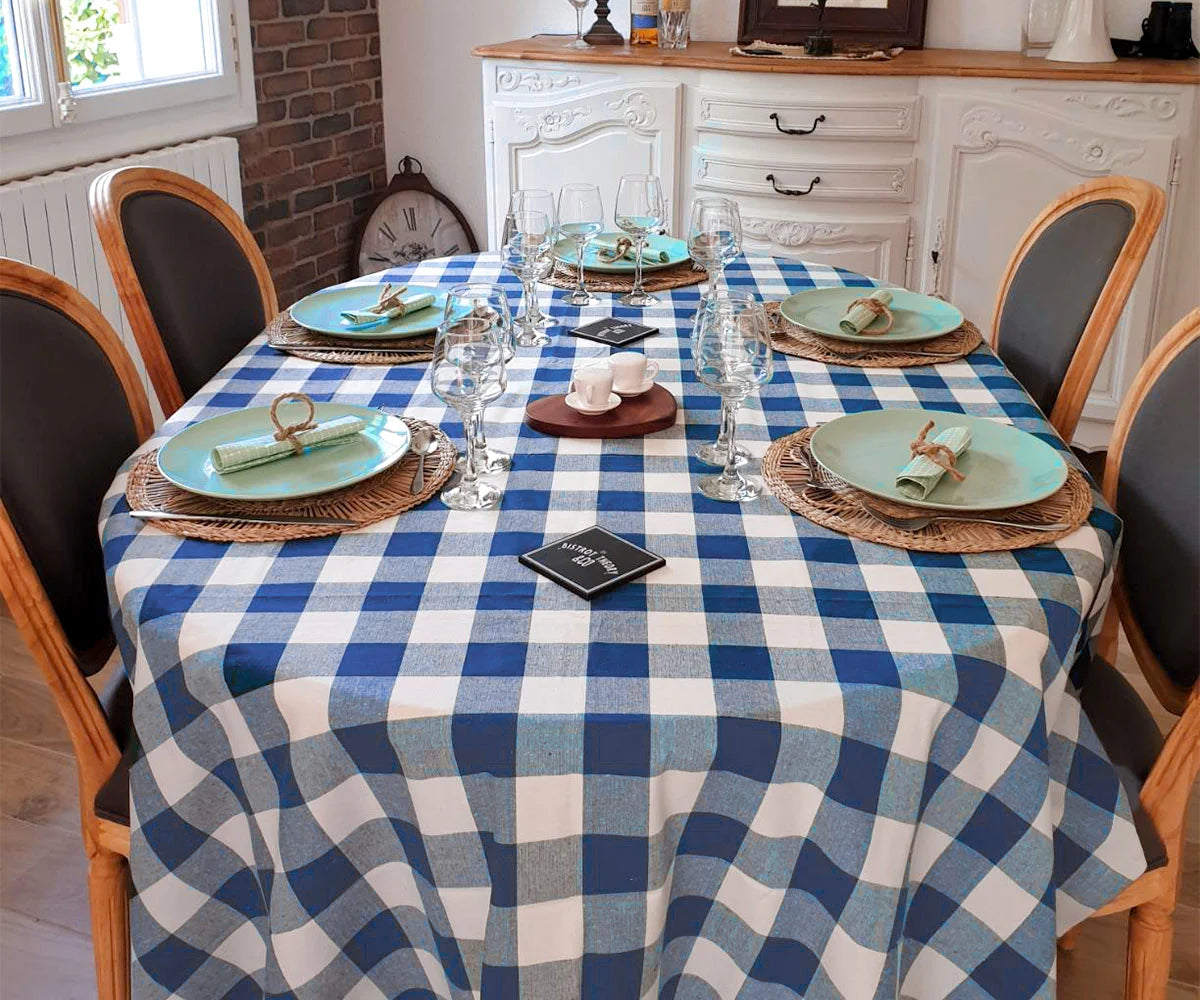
(1054, 291)
(201, 289)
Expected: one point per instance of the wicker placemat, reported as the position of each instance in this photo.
(840, 511)
(285, 334)
(677, 276)
(374, 499)
(788, 338)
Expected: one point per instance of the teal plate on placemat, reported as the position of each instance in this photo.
(677, 250)
(186, 459)
(1004, 467)
(917, 317)
(322, 313)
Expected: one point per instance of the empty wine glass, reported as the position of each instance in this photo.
(733, 357)
(467, 373)
(534, 200)
(578, 42)
(528, 237)
(640, 211)
(714, 236)
(580, 218)
(483, 307)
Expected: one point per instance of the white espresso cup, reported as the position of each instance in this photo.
(593, 385)
(631, 370)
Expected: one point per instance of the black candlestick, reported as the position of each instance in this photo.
(603, 33)
(819, 44)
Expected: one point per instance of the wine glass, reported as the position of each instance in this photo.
(486, 308)
(580, 218)
(467, 373)
(733, 357)
(528, 239)
(578, 42)
(640, 211)
(715, 236)
(535, 200)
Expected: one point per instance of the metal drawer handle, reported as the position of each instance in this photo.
(794, 192)
(796, 131)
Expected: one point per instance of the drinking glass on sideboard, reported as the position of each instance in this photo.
(578, 41)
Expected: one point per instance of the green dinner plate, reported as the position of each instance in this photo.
(322, 312)
(677, 250)
(1004, 467)
(917, 317)
(186, 459)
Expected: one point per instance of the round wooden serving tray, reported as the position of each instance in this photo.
(652, 411)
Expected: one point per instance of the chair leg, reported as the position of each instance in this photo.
(108, 891)
(1069, 940)
(1148, 963)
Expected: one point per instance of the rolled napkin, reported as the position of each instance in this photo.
(234, 456)
(623, 248)
(931, 460)
(393, 302)
(863, 315)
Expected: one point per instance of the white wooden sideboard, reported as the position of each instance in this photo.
(922, 172)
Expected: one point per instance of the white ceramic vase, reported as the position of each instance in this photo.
(1082, 35)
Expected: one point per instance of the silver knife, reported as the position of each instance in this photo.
(162, 515)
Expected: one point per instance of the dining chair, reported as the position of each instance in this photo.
(1150, 480)
(1065, 286)
(190, 276)
(71, 410)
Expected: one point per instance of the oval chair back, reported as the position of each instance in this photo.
(190, 276)
(1065, 287)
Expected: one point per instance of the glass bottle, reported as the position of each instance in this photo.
(1042, 19)
(643, 22)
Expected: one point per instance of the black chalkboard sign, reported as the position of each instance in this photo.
(617, 332)
(592, 561)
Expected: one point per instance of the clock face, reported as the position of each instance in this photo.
(407, 227)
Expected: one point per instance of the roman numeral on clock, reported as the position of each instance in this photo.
(437, 225)
(410, 219)
(386, 231)
(451, 251)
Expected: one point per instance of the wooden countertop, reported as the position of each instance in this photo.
(914, 62)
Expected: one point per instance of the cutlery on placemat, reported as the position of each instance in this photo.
(366, 348)
(163, 515)
(423, 443)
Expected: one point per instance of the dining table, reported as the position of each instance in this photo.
(396, 762)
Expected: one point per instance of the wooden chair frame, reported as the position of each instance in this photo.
(106, 197)
(96, 752)
(1151, 898)
(1148, 204)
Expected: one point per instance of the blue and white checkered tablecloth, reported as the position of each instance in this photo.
(397, 763)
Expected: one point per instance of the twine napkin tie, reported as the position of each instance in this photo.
(862, 313)
(288, 439)
(930, 460)
(289, 432)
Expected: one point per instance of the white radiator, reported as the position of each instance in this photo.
(45, 221)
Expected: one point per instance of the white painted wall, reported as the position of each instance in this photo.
(432, 98)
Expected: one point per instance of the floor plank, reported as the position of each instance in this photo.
(38, 786)
(39, 960)
(44, 875)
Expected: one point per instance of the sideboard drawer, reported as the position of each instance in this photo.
(793, 180)
(809, 119)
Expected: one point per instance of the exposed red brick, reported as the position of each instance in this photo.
(349, 48)
(284, 83)
(311, 152)
(307, 105)
(288, 135)
(308, 55)
(331, 170)
(264, 10)
(278, 33)
(326, 27)
(331, 76)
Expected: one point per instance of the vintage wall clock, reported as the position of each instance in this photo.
(412, 222)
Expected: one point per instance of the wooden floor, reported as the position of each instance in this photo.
(45, 946)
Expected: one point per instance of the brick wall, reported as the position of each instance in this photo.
(315, 163)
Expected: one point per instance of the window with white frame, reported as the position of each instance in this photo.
(82, 80)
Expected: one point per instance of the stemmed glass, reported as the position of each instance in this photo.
(733, 357)
(485, 308)
(578, 42)
(467, 373)
(528, 239)
(714, 236)
(640, 211)
(580, 218)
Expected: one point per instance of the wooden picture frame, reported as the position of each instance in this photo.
(901, 22)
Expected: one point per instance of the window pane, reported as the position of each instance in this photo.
(11, 88)
(122, 42)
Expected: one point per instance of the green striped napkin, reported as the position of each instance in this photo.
(410, 302)
(249, 452)
(918, 479)
(609, 244)
(860, 317)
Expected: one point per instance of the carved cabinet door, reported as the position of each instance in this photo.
(996, 162)
(590, 133)
(876, 246)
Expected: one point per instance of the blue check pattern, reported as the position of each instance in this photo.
(397, 763)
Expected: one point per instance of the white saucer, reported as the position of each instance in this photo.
(575, 402)
(645, 387)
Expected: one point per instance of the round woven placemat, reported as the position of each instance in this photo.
(678, 276)
(285, 334)
(382, 496)
(788, 338)
(840, 511)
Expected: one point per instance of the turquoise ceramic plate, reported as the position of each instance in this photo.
(322, 312)
(676, 249)
(917, 317)
(185, 460)
(1004, 467)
